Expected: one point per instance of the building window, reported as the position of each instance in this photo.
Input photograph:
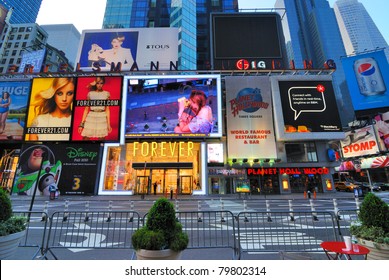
(26, 36)
(301, 152)
(21, 29)
(14, 52)
(29, 29)
(19, 37)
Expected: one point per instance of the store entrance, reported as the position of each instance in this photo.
(163, 181)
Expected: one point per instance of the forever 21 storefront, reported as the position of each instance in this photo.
(153, 168)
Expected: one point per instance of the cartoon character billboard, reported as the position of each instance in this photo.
(13, 107)
(305, 108)
(367, 77)
(67, 167)
(128, 49)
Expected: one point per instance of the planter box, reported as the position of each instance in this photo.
(377, 251)
(157, 254)
(9, 244)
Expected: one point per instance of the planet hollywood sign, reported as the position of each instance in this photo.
(288, 171)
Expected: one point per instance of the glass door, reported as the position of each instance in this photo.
(186, 184)
(142, 186)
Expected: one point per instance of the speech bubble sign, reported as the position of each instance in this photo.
(307, 100)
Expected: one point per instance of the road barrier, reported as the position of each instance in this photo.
(345, 219)
(256, 233)
(36, 229)
(102, 230)
(248, 232)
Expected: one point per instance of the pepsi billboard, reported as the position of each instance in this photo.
(367, 77)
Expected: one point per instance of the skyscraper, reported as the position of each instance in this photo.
(312, 34)
(358, 30)
(192, 17)
(24, 11)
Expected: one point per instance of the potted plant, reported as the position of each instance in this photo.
(12, 228)
(162, 236)
(372, 228)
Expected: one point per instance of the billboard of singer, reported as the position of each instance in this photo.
(97, 109)
(50, 109)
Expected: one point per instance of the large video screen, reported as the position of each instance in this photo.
(305, 108)
(173, 106)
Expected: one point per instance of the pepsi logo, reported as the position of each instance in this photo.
(366, 69)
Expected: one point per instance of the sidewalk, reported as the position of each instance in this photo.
(151, 197)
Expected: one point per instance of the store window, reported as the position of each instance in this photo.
(301, 152)
(149, 168)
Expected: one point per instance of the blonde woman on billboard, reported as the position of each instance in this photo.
(96, 120)
(53, 108)
(117, 53)
(194, 116)
(4, 108)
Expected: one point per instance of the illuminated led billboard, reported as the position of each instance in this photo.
(305, 109)
(367, 77)
(173, 106)
(246, 41)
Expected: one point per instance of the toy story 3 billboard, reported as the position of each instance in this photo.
(64, 167)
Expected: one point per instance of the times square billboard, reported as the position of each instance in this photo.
(86, 108)
(129, 49)
(305, 108)
(367, 77)
(247, 41)
(168, 106)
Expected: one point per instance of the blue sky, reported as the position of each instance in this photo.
(89, 13)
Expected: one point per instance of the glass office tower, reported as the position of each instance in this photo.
(191, 16)
(24, 11)
(358, 29)
(313, 34)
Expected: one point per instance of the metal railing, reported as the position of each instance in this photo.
(284, 231)
(251, 232)
(91, 230)
(36, 229)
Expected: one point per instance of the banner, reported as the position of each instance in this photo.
(359, 143)
(13, 109)
(71, 168)
(129, 49)
(249, 117)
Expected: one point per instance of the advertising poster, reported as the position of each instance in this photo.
(33, 59)
(97, 109)
(367, 77)
(173, 106)
(305, 108)
(50, 109)
(134, 49)
(361, 142)
(68, 168)
(13, 108)
(382, 128)
(249, 116)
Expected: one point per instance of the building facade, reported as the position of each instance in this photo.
(64, 37)
(23, 11)
(192, 17)
(358, 30)
(314, 36)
